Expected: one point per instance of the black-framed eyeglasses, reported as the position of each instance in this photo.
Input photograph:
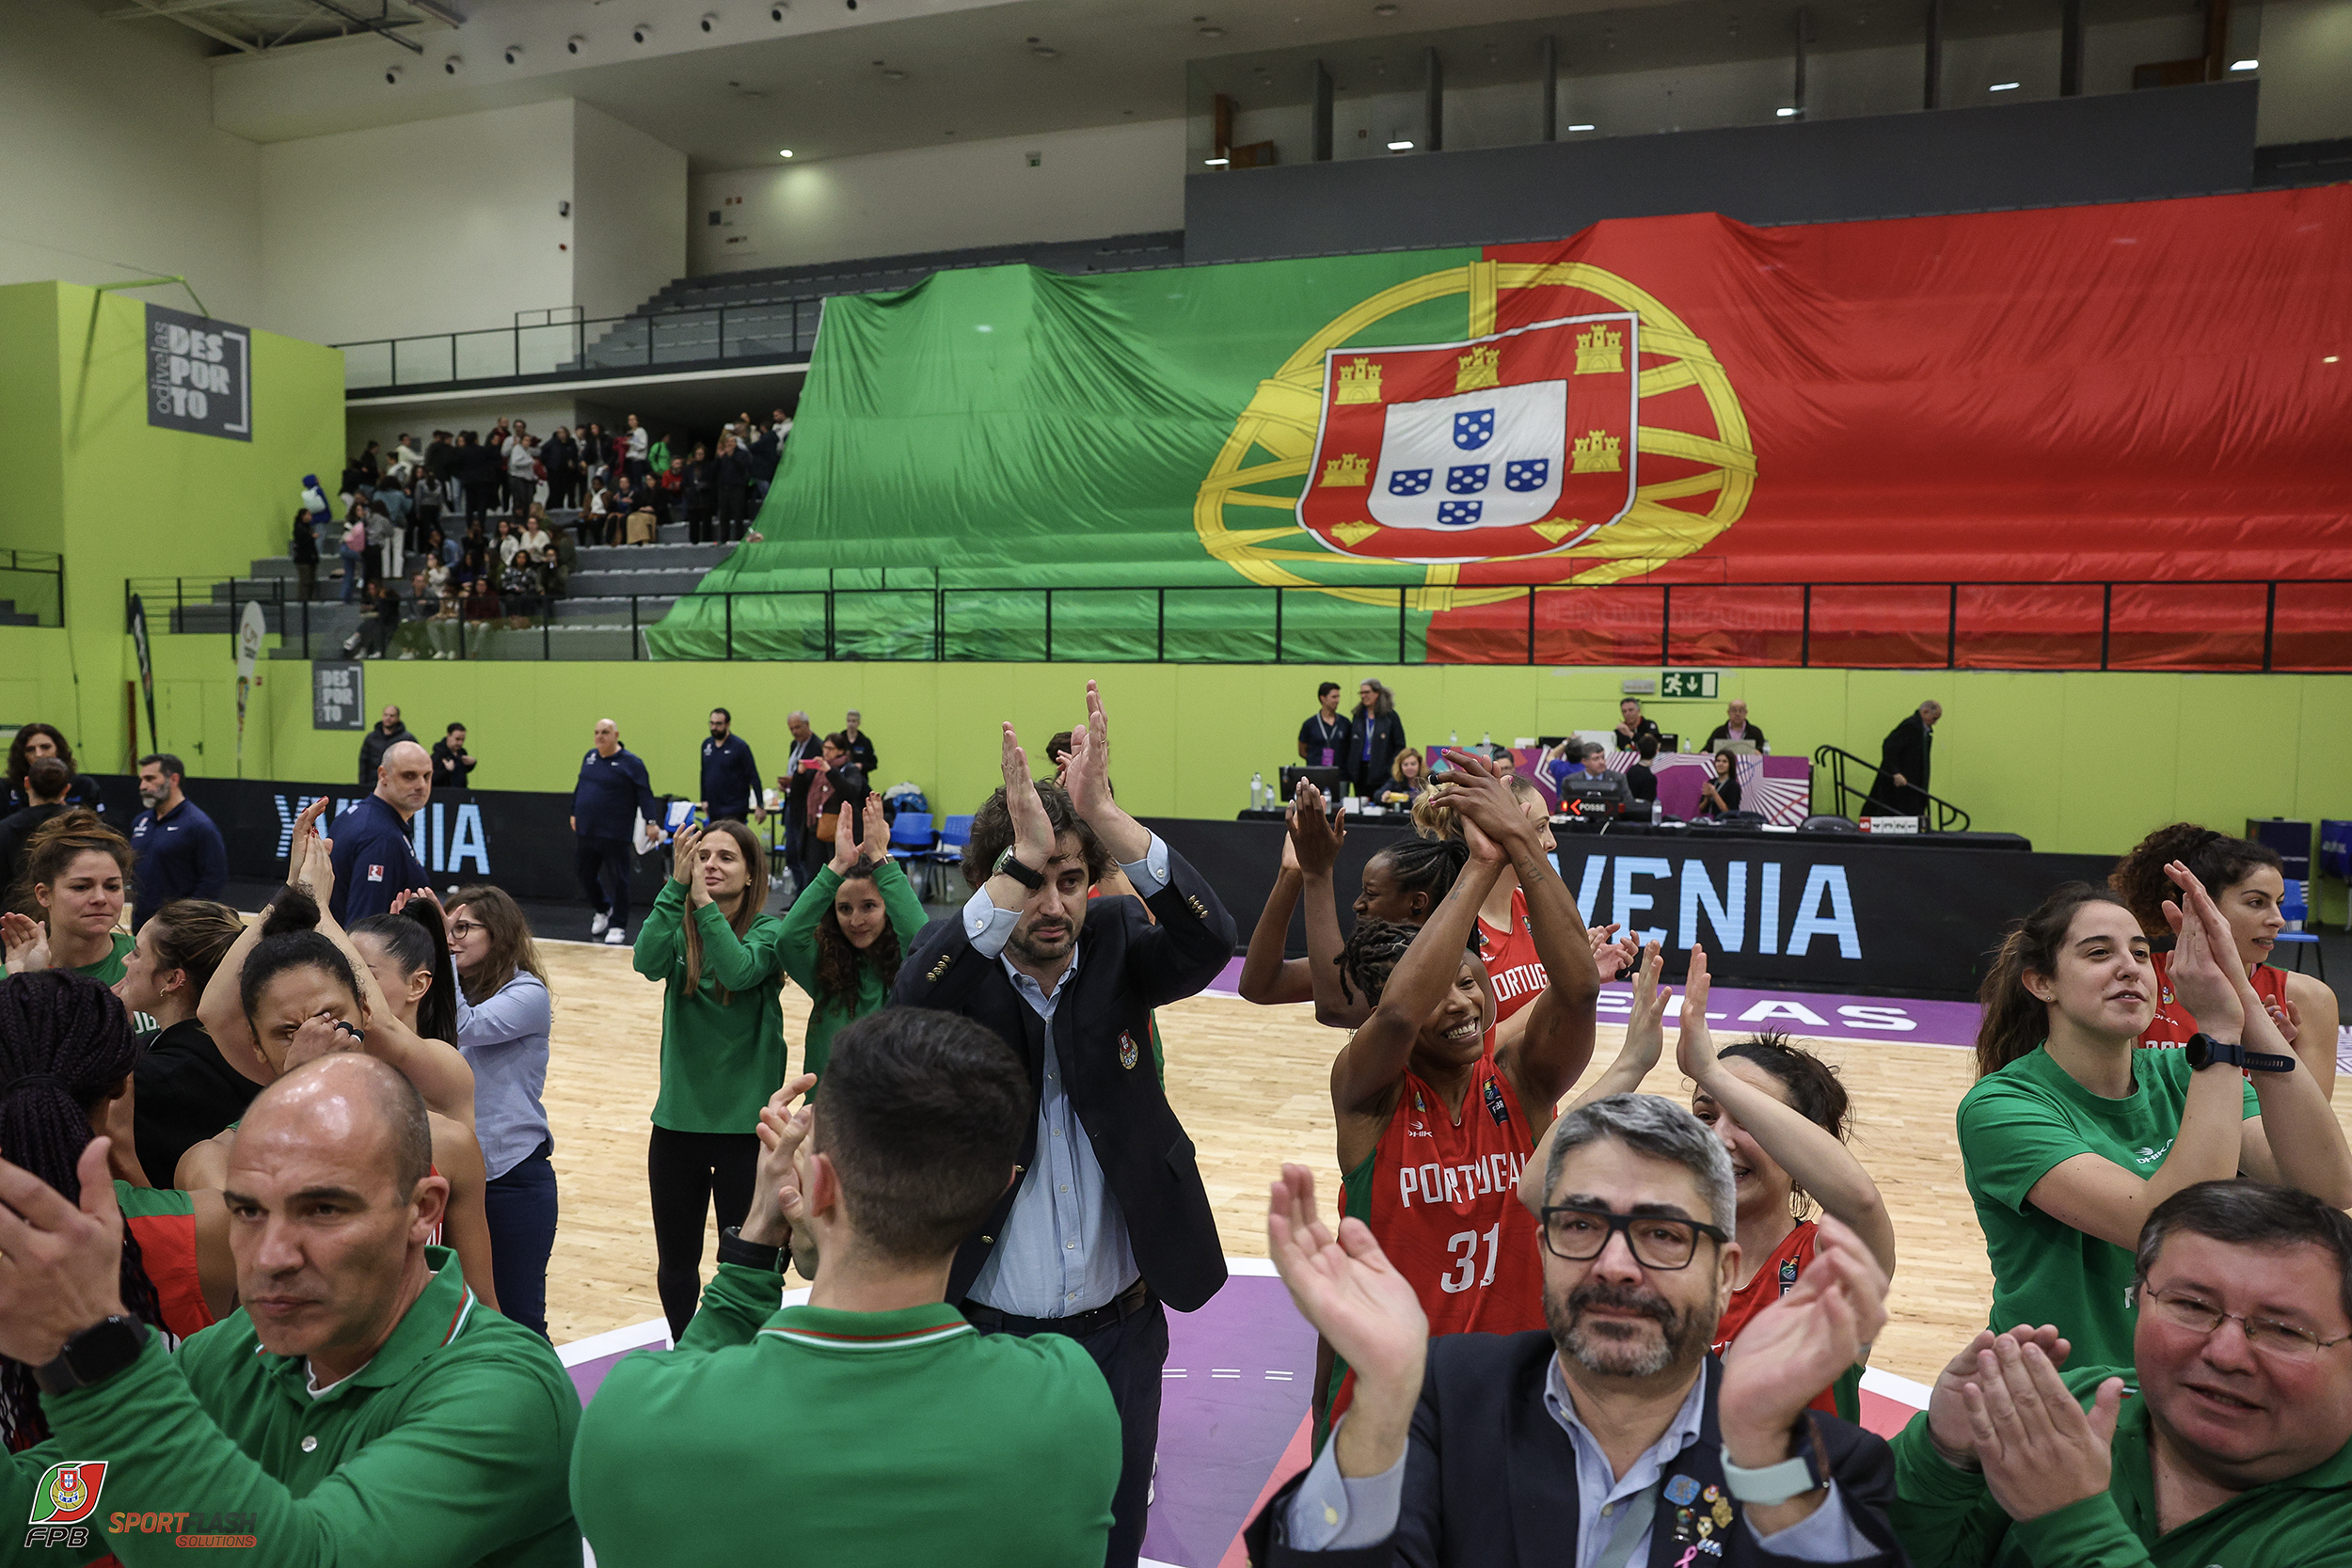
(2281, 1341)
(465, 927)
(1577, 1234)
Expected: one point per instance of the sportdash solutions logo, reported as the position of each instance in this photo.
(63, 1503)
(186, 1528)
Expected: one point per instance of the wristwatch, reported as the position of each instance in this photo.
(732, 1248)
(2204, 1052)
(93, 1354)
(1019, 873)
(1793, 1477)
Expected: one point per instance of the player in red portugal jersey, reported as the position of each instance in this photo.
(1434, 1125)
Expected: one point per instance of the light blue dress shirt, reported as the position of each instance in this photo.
(1332, 1513)
(1064, 1247)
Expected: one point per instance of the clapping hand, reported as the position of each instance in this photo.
(1948, 1407)
(1694, 1051)
(2040, 1449)
(298, 858)
(873, 843)
(1087, 777)
(776, 1208)
(1314, 841)
(1613, 955)
(27, 942)
(1345, 1286)
(1798, 1345)
(64, 1261)
(1645, 1027)
(1493, 823)
(2204, 971)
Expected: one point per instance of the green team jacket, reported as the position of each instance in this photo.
(448, 1449)
(720, 1060)
(809, 1436)
(1947, 1517)
(905, 914)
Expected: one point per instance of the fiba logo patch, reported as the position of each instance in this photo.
(1128, 1054)
(66, 1497)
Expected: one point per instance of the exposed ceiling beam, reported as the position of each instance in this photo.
(381, 26)
(195, 24)
(445, 15)
(162, 7)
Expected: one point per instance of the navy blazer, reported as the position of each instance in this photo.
(1490, 1477)
(1102, 1032)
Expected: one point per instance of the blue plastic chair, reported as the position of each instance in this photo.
(910, 842)
(2292, 905)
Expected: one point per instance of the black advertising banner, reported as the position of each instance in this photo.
(519, 840)
(147, 667)
(1827, 912)
(199, 375)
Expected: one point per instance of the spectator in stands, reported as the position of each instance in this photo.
(636, 444)
(442, 549)
(425, 604)
(507, 543)
(730, 774)
(701, 497)
(764, 449)
(1408, 778)
(1901, 788)
(534, 536)
(393, 500)
(368, 465)
(384, 542)
(560, 454)
(1632, 726)
(2072, 1136)
(669, 490)
(424, 518)
(45, 786)
(522, 471)
(303, 550)
(438, 454)
(555, 578)
(520, 592)
(595, 513)
(803, 765)
(476, 468)
(1575, 759)
(857, 742)
(453, 765)
(2225, 1435)
(1720, 795)
(387, 733)
(734, 473)
(1643, 781)
(612, 792)
(383, 624)
(78, 869)
(374, 857)
(407, 460)
(1375, 735)
(474, 562)
(355, 550)
(33, 742)
(182, 854)
(633, 505)
(878, 1186)
(657, 457)
(596, 455)
(1736, 727)
(1322, 737)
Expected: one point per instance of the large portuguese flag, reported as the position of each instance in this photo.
(1376, 458)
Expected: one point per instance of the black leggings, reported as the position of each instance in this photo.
(689, 1173)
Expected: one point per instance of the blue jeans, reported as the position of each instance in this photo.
(353, 572)
(520, 1207)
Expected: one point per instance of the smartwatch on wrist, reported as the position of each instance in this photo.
(1019, 873)
(1793, 1477)
(732, 1248)
(92, 1356)
(2204, 1052)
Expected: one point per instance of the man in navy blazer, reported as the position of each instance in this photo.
(1615, 1438)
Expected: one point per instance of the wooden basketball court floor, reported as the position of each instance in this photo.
(1250, 1085)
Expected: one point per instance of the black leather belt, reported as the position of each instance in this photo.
(1129, 1302)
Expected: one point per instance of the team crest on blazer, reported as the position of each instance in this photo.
(1128, 1054)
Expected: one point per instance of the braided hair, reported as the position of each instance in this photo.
(65, 1047)
(1372, 952)
(1425, 865)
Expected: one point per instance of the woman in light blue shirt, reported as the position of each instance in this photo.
(504, 1012)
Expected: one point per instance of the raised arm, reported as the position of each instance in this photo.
(1268, 977)
(1089, 781)
(663, 936)
(1816, 1159)
(1315, 843)
(1371, 1062)
(1644, 1042)
(221, 1009)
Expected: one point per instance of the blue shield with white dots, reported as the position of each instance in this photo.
(1467, 479)
(1408, 481)
(1529, 474)
(1474, 428)
(1455, 513)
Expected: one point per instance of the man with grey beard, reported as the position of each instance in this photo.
(1614, 1438)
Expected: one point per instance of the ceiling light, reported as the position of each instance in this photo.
(1785, 114)
(2244, 65)
(1400, 147)
(1579, 127)
(783, 153)
(2002, 87)
(1216, 163)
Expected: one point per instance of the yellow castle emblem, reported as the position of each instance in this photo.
(1600, 351)
(1359, 382)
(1597, 453)
(1480, 367)
(1349, 469)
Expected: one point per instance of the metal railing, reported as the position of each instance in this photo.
(586, 348)
(479, 626)
(32, 588)
(848, 614)
(1942, 816)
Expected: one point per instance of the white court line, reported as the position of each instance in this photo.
(1900, 1389)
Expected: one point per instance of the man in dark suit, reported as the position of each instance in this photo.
(1614, 1438)
(1107, 1218)
(1901, 788)
(796, 780)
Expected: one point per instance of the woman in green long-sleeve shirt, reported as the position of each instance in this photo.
(844, 936)
(717, 951)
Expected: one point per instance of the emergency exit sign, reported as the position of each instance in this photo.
(1686, 683)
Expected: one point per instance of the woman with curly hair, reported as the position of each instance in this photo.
(32, 743)
(843, 938)
(77, 874)
(2248, 881)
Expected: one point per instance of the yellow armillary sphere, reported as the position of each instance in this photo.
(1697, 461)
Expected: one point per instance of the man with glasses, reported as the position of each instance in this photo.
(1580, 1446)
(2225, 1442)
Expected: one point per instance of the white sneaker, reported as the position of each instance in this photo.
(595, 927)
(615, 938)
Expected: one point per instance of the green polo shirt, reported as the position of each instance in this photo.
(808, 1435)
(110, 969)
(1948, 1517)
(450, 1448)
(2019, 1124)
(900, 908)
(721, 1057)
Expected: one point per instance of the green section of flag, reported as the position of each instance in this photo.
(998, 431)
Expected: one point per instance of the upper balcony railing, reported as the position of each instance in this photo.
(585, 349)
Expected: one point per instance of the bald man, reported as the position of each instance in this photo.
(360, 1408)
(613, 792)
(374, 858)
